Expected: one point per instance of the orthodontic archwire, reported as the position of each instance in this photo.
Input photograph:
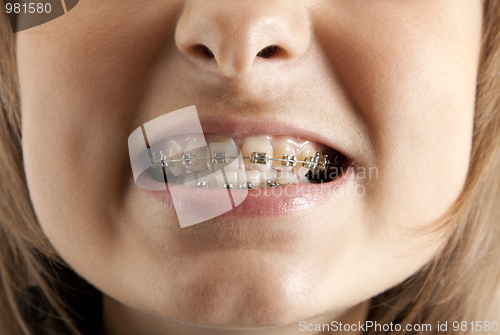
(316, 164)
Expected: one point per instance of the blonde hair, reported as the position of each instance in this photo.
(457, 285)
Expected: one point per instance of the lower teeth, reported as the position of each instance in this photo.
(310, 177)
(206, 184)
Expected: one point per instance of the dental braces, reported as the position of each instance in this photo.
(247, 185)
(317, 163)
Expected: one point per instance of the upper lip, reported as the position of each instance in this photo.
(258, 121)
(243, 127)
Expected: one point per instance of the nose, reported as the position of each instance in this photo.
(240, 35)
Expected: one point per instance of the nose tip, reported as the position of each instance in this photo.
(238, 36)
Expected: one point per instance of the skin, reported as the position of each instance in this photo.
(392, 81)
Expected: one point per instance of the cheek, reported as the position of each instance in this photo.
(410, 72)
(410, 77)
(80, 91)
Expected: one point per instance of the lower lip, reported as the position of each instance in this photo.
(264, 201)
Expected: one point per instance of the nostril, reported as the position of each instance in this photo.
(203, 50)
(268, 51)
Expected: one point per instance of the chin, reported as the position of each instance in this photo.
(236, 290)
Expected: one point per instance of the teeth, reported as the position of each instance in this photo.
(207, 176)
(219, 178)
(204, 174)
(225, 144)
(180, 180)
(215, 179)
(241, 177)
(286, 177)
(307, 151)
(196, 148)
(173, 151)
(232, 177)
(237, 178)
(303, 180)
(257, 144)
(278, 153)
(249, 176)
(216, 165)
(189, 181)
(271, 175)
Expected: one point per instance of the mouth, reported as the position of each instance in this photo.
(246, 170)
(242, 162)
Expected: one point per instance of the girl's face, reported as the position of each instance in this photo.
(391, 84)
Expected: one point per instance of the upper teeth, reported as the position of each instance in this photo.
(258, 160)
(286, 152)
(264, 166)
(260, 150)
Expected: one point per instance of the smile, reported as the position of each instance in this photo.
(245, 162)
(201, 173)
